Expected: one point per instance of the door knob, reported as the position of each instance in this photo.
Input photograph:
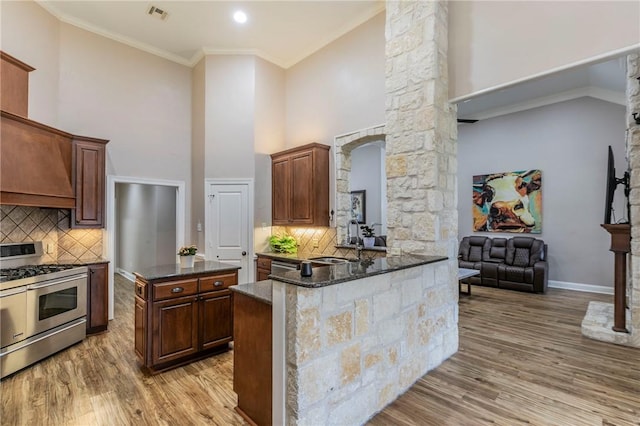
(244, 253)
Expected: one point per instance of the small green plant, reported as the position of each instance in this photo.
(188, 250)
(367, 231)
(283, 244)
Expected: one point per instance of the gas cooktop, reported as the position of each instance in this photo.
(9, 274)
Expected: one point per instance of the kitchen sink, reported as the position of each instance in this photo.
(331, 259)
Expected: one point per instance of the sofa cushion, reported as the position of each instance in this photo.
(524, 251)
(515, 274)
(521, 257)
(471, 248)
(497, 251)
(469, 265)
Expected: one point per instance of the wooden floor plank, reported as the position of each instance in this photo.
(522, 361)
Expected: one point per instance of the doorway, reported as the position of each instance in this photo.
(144, 197)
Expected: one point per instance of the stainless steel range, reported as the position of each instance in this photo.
(43, 308)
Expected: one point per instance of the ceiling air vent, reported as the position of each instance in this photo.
(158, 13)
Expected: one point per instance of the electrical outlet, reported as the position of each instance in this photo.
(49, 248)
(315, 243)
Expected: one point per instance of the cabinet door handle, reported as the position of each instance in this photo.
(218, 283)
(177, 290)
(139, 290)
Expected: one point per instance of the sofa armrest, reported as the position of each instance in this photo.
(540, 276)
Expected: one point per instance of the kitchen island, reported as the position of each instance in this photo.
(183, 314)
(352, 337)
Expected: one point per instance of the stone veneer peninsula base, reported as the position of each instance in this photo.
(345, 349)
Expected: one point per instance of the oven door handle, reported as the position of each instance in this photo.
(12, 291)
(54, 282)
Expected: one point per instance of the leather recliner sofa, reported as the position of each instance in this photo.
(517, 263)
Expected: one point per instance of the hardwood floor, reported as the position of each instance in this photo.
(98, 382)
(522, 360)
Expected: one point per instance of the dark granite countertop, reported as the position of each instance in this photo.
(175, 271)
(85, 262)
(262, 290)
(353, 247)
(289, 257)
(339, 273)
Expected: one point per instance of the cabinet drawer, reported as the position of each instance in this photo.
(218, 282)
(141, 290)
(264, 263)
(175, 289)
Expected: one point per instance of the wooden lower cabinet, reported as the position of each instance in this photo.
(179, 321)
(252, 359)
(97, 298)
(175, 328)
(263, 268)
(140, 313)
(216, 317)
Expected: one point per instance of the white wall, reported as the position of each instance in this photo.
(31, 34)
(568, 142)
(367, 174)
(140, 102)
(198, 123)
(269, 138)
(229, 106)
(492, 43)
(340, 88)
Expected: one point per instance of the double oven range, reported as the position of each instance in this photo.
(42, 307)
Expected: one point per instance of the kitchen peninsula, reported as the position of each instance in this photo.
(352, 337)
(183, 314)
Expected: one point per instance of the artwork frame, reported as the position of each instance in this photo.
(508, 202)
(359, 206)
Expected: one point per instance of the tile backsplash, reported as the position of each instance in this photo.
(51, 226)
(327, 239)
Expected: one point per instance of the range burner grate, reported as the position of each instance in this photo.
(27, 271)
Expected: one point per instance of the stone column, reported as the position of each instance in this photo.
(633, 150)
(421, 131)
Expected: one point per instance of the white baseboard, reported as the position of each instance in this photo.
(126, 274)
(588, 288)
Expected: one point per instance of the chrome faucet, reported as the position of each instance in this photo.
(348, 238)
(359, 245)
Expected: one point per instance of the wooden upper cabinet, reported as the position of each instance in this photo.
(300, 186)
(281, 188)
(14, 89)
(89, 172)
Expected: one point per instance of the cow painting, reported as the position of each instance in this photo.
(508, 202)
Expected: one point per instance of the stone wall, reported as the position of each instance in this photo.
(633, 147)
(344, 145)
(353, 348)
(421, 131)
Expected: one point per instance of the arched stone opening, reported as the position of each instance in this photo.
(344, 146)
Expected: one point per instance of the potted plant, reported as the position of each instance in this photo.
(283, 244)
(187, 256)
(368, 235)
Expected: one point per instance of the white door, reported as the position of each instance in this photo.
(227, 225)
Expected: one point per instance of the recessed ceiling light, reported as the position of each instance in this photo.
(240, 17)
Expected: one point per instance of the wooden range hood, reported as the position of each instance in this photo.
(35, 164)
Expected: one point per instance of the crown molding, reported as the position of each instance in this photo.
(116, 37)
(587, 91)
(193, 61)
(634, 48)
